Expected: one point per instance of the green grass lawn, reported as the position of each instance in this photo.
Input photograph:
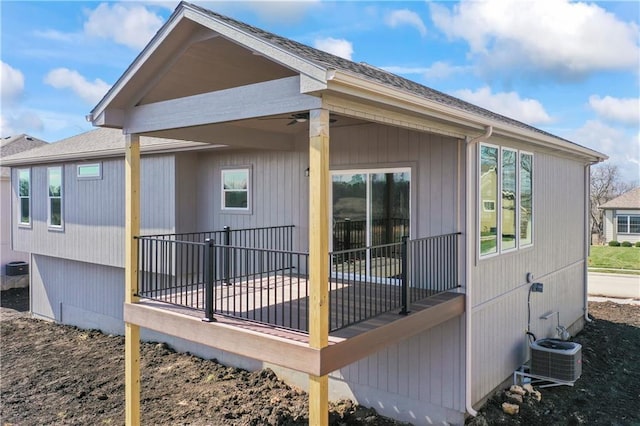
(606, 257)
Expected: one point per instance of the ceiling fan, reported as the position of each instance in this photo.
(298, 117)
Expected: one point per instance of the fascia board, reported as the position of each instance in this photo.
(350, 84)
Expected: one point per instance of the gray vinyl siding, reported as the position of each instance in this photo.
(280, 188)
(186, 205)
(93, 211)
(77, 293)
(278, 191)
(557, 259)
(428, 367)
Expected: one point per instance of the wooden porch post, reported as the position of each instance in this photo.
(318, 257)
(132, 229)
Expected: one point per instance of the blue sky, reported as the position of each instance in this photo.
(570, 68)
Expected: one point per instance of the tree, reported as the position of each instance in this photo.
(606, 184)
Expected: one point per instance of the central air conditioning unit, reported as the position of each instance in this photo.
(556, 359)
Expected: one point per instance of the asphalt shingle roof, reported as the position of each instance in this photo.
(628, 200)
(15, 144)
(363, 70)
(101, 142)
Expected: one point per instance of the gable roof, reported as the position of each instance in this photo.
(324, 67)
(329, 61)
(628, 200)
(98, 143)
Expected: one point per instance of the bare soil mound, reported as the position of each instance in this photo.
(53, 374)
(607, 393)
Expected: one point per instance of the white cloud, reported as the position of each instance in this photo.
(622, 148)
(23, 122)
(621, 110)
(64, 78)
(406, 17)
(338, 47)
(438, 70)
(441, 69)
(564, 38)
(129, 24)
(56, 35)
(11, 84)
(510, 104)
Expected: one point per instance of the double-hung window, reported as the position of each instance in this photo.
(506, 199)
(24, 194)
(55, 191)
(235, 189)
(628, 224)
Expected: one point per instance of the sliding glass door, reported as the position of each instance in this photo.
(370, 215)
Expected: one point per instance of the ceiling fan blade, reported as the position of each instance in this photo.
(292, 122)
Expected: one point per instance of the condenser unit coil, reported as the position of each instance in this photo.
(556, 359)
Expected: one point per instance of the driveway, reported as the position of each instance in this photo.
(614, 285)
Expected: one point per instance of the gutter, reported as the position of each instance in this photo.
(470, 255)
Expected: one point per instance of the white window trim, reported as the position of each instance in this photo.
(628, 222)
(89, 177)
(49, 198)
(481, 202)
(22, 224)
(240, 210)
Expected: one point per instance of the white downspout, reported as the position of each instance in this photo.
(470, 257)
(587, 235)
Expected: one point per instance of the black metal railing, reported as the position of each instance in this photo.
(351, 234)
(433, 266)
(270, 284)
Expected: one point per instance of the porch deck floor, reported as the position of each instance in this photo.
(278, 305)
(289, 348)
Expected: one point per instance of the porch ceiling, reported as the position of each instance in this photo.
(211, 65)
(291, 349)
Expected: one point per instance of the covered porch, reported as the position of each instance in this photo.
(312, 309)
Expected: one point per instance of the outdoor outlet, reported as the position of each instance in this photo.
(536, 287)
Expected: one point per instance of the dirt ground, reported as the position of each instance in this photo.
(607, 393)
(52, 374)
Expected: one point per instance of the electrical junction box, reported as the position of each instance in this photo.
(556, 359)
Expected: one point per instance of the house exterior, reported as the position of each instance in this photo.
(8, 146)
(622, 218)
(280, 135)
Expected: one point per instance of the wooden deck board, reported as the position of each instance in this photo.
(289, 348)
(283, 300)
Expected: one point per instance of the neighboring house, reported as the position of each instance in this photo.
(8, 146)
(294, 141)
(621, 218)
